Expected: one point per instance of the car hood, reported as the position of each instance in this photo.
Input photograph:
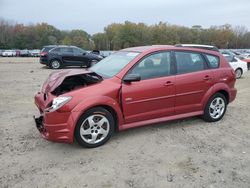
(57, 77)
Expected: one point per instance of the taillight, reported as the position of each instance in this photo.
(43, 54)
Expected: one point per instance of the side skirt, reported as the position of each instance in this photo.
(158, 120)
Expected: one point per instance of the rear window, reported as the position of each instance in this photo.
(55, 50)
(213, 60)
(46, 49)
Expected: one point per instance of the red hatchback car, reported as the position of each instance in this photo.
(134, 87)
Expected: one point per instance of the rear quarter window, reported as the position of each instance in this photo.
(46, 49)
(213, 60)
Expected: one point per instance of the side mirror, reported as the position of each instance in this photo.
(132, 78)
(84, 53)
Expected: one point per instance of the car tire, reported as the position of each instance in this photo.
(215, 108)
(93, 62)
(55, 64)
(238, 73)
(94, 128)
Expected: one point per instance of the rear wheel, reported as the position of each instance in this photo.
(215, 108)
(55, 64)
(94, 128)
(238, 73)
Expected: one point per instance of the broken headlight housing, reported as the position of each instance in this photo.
(58, 102)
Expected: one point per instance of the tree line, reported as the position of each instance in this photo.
(121, 35)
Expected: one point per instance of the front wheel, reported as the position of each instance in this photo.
(94, 128)
(215, 108)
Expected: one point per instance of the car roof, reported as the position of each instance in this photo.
(50, 46)
(147, 48)
(152, 48)
(65, 46)
(194, 45)
(201, 46)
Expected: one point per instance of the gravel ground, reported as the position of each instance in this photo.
(183, 153)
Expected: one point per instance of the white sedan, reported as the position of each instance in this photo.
(239, 66)
(9, 53)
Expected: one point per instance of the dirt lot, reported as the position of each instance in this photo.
(184, 153)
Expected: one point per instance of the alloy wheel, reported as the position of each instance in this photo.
(94, 129)
(217, 108)
(55, 64)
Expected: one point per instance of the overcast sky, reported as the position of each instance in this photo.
(93, 15)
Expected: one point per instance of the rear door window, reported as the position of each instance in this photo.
(189, 62)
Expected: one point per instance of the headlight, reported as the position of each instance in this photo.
(58, 103)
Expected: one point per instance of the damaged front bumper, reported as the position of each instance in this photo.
(39, 123)
(54, 126)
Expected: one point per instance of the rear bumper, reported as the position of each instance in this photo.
(44, 61)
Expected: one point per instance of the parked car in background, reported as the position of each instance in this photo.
(1, 52)
(24, 53)
(9, 53)
(200, 46)
(35, 53)
(102, 53)
(246, 58)
(60, 56)
(227, 52)
(134, 87)
(18, 53)
(239, 66)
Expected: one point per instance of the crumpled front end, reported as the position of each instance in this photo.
(58, 124)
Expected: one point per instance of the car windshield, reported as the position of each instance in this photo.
(113, 64)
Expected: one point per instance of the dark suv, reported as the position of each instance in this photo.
(59, 56)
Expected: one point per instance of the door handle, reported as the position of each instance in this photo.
(168, 83)
(207, 77)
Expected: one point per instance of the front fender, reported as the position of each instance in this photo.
(94, 101)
